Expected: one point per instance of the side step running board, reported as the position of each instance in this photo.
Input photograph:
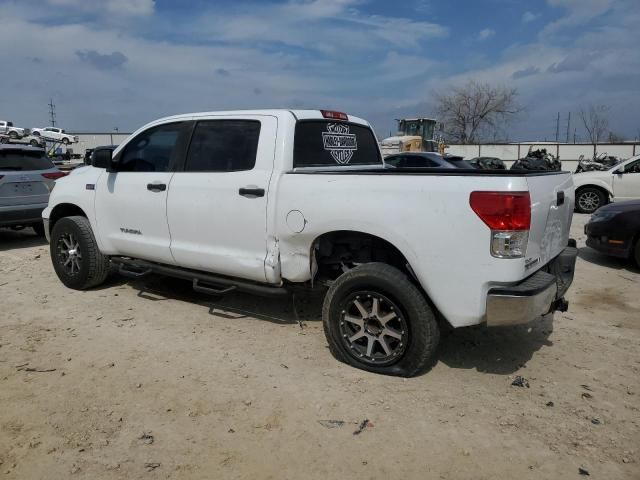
(212, 291)
(122, 270)
(140, 268)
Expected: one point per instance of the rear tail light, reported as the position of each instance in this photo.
(54, 175)
(334, 115)
(508, 215)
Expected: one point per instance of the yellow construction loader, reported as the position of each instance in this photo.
(414, 135)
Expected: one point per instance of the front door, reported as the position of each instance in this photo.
(217, 204)
(131, 203)
(626, 186)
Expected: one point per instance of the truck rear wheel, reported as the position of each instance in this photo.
(375, 319)
(76, 257)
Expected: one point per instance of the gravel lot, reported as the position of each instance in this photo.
(146, 379)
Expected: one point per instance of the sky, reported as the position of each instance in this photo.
(111, 64)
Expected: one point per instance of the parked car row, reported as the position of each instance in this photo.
(47, 133)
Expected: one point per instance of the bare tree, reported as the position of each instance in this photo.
(475, 111)
(596, 122)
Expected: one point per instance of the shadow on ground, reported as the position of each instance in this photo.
(492, 350)
(299, 306)
(16, 239)
(592, 256)
(498, 350)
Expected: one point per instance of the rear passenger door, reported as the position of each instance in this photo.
(217, 202)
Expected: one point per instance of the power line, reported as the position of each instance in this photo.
(52, 112)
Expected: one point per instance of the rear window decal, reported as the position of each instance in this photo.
(339, 142)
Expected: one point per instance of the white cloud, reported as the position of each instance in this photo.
(114, 7)
(486, 33)
(529, 17)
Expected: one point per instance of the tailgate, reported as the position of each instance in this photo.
(552, 201)
(22, 188)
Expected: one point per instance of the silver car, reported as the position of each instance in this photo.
(26, 178)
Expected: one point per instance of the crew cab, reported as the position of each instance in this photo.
(55, 134)
(13, 132)
(597, 187)
(261, 201)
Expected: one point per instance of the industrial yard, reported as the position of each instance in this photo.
(146, 378)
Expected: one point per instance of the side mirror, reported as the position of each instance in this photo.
(620, 169)
(102, 158)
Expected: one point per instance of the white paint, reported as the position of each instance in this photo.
(296, 221)
(212, 228)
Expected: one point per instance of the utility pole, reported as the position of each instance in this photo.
(558, 127)
(574, 135)
(52, 112)
(568, 126)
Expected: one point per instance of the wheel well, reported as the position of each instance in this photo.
(334, 252)
(64, 210)
(597, 187)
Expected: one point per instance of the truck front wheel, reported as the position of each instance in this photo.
(76, 257)
(375, 319)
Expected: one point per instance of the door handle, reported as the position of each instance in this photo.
(251, 192)
(156, 187)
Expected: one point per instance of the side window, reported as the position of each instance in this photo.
(394, 161)
(153, 150)
(223, 146)
(633, 167)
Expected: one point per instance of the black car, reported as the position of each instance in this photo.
(615, 230)
(425, 160)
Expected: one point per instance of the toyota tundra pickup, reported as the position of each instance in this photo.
(259, 201)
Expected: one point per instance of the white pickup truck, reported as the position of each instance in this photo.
(13, 132)
(54, 134)
(259, 201)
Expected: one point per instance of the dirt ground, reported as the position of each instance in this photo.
(146, 379)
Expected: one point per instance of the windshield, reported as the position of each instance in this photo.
(17, 160)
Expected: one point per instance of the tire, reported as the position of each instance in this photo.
(39, 229)
(13, 135)
(65, 141)
(88, 267)
(589, 199)
(410, 337)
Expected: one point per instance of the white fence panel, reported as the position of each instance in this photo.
(504, 152)
(621, 151)
(573, 152)
(466, 151)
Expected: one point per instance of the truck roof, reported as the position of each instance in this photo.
(298, 114)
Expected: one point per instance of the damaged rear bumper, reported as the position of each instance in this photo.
(541, 293)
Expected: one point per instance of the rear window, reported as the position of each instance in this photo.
(321, 143)
(16, 160)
